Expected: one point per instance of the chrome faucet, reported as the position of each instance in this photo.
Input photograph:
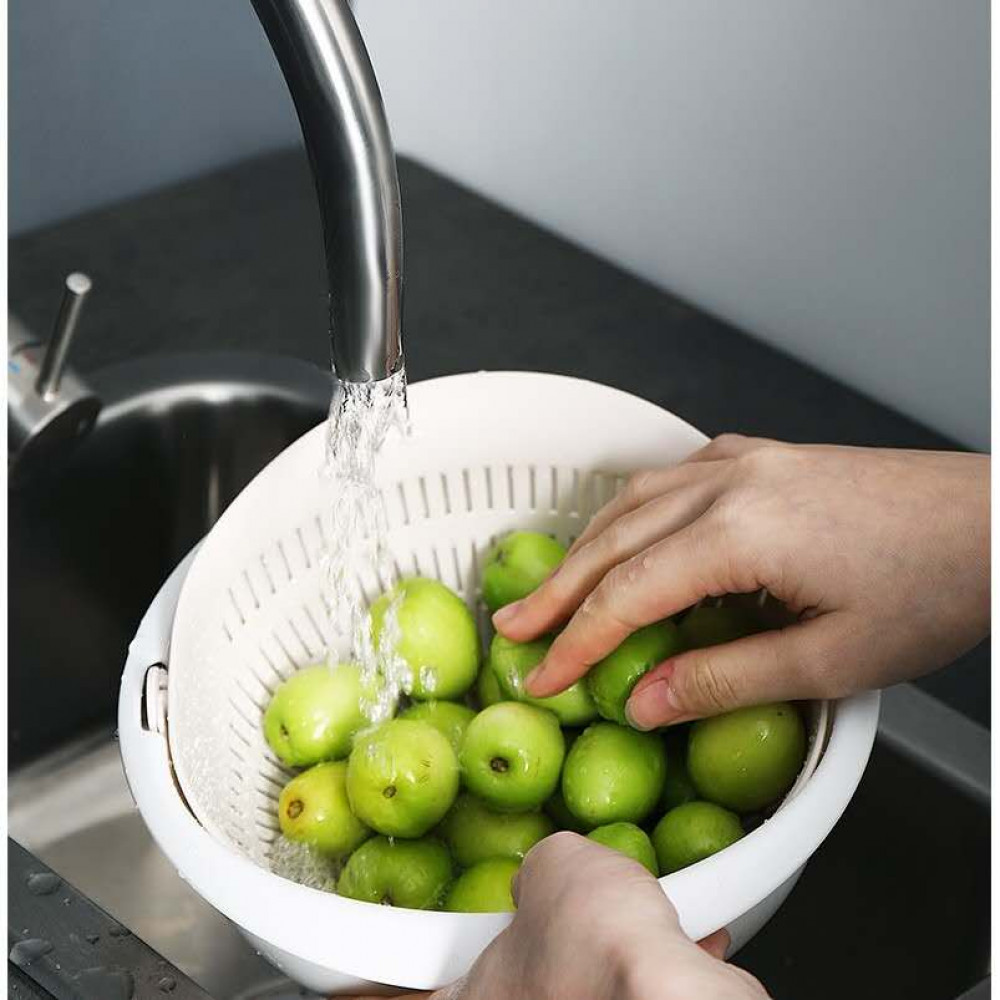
(332, 83)
(49, 407)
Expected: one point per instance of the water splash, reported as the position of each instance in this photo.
(362, 417)
(43, 883)
(23, 953)
(300, 863)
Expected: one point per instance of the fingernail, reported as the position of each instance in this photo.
(655, 704)
(534, 677)
(507, 614)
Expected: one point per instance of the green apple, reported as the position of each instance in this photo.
(511, 756)
(556, 808)
(488, 687)
(628, 839)
(693, 832)
(474, 832)
(611, 680)
(435, 636)
(411, 873)
(749, 758)
(678, 787)
(484, 888)
(314, 715)
(613, 774)
(517, 565)
(313, 809)
(402, 777)
(710, 626)
(449, 718)
(513, 661)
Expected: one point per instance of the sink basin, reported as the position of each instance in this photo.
(895, 903)
(882, 910)
(91, 543)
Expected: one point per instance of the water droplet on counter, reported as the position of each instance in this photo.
(43, 883)
(30, 950)
(108, 984)
(167, 984)
(92, 938)
(118, 931)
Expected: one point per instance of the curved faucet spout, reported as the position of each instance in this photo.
(330, 77)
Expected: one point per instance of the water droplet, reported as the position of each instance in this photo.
(167, 984)
(118, 931)
(108, 984)
(30, 950)
(92, 938)
(43, 883)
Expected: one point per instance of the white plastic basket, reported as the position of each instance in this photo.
(489, 452)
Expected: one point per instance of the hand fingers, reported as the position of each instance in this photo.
(667, 577)
(716, 944)
(640, 489)
(796, 662)
(727, 446)
(556, 599)
(440, 995)
(548, 856)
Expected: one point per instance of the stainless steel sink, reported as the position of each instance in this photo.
(90, 544)
(895, 903)
(91, 541)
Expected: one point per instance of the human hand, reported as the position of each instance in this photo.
(882, 555)
(592, 924)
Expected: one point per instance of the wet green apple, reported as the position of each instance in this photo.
(511, 756)
(411, 873)
(711, 626)
(314, 715)
(484, 888)
(678, 787)
(474, 832)
(517, 565)
(402, 777)
(611, 680)
(449, 718)
(693, 832)
(749, 758)
(613, 774)
(628, 839)
(488, 687)
(556, 808)
(313, 809)
(513, 661)
(433, 632)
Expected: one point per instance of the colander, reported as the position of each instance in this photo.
(488, 452)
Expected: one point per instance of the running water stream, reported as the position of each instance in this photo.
(363, 415)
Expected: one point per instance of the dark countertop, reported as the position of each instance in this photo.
(233, 260)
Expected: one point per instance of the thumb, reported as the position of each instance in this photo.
(787, 664)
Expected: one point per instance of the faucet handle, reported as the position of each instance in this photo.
(49, 407)
(50, 374)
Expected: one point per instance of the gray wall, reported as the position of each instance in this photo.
(109, 98)
(815, 172)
